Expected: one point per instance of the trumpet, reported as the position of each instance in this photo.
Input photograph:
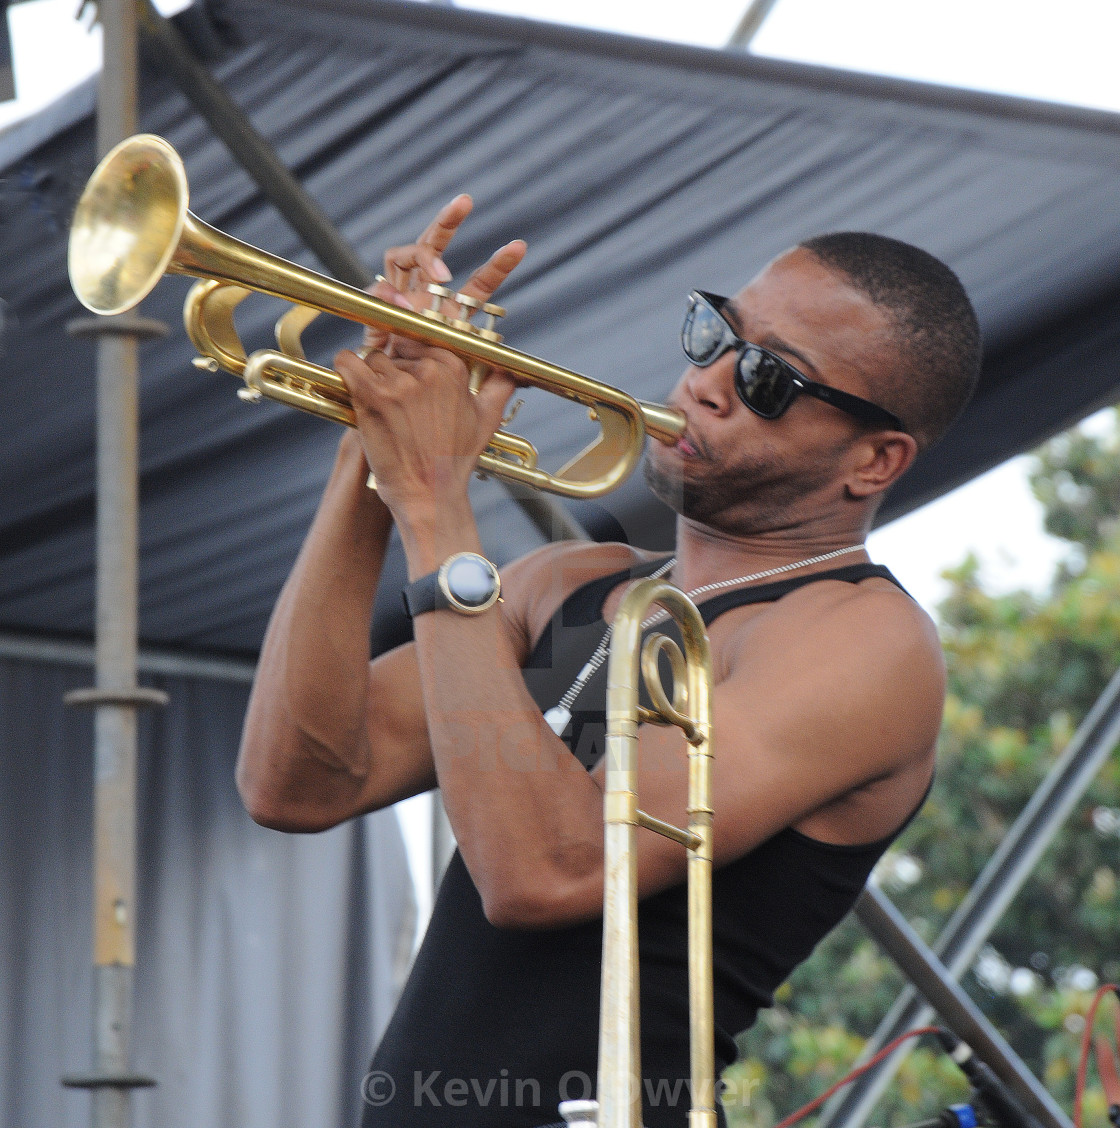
(132, 225)
(618, 1102)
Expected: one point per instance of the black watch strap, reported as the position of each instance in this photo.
(466, 582)
(423, 595)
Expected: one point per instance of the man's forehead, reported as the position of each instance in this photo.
(801, 301)
(798, 286)
(798, 264)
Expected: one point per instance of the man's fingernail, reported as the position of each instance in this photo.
(439, 269)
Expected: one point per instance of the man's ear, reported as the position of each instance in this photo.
(881, 458)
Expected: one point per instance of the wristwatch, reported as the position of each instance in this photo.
(466, 582)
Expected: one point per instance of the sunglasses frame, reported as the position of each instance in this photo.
(863, 410)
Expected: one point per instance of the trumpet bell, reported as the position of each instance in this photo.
(127, 224)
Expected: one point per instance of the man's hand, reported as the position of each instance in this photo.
(421, 430)
(408, 269)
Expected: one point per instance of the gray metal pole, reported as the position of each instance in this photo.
(747, 28)
(116, 696)
(956, 1009)
(987, 900)
(165, 45)
(163, 42)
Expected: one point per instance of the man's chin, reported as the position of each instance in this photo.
(688, 499)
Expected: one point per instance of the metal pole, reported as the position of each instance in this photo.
(116, 697)
(169, 50)
(987, 900)
(747, 28)
(167, 47)
(956, 1009)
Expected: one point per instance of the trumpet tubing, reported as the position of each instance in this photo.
(132, 226)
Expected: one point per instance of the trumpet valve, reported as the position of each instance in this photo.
(249, 395)
(468, 306)
(471, 306)
(488, 330)
(435, 310)
(206, 363)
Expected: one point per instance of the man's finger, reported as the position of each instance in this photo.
(488, 277)
(493, 396)
(400, 262)
(374, 336)
(442, 229)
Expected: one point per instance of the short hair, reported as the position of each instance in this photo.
(938, 335)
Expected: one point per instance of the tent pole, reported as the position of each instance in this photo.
(116, 696)
(987, 900)
(747, 28)
(890, 930)
(164, 43)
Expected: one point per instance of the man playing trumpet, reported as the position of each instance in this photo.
(806, 396)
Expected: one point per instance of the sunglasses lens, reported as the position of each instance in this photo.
(703, 334)
(764, 384)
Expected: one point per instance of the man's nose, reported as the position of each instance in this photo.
(713, 387)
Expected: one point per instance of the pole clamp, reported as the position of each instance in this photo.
(139, 697)
(98, 1080)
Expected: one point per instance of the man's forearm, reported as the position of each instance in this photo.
(527, 817)
(304, 740)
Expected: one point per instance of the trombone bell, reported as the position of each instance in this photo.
(132, 226)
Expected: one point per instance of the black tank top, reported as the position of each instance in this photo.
(496, 1027)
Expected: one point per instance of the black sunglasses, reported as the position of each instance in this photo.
(765, 382)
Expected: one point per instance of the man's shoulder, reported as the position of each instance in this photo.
(838, 688)
(873, 599)
(872, 624)
(563, 566)
(536, 584)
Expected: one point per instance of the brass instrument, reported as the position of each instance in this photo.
(619, 1103)
(132, 226)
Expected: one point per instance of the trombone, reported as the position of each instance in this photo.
(619, 1091)
(131, 226)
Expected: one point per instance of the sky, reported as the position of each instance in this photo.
(1029, 48)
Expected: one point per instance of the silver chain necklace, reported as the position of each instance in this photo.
(560, 714)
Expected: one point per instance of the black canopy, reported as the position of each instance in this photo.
(636, 170)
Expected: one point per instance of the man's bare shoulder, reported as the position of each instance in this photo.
(536, 584)
(872, 613)
(837, 667)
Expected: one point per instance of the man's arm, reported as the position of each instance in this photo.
(318, 705)
(328, 734)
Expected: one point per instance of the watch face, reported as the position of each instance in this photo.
(470, 580)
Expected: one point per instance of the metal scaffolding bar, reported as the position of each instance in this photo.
(167, 47)
(747, 28)
(116, 696)
(956, 1009)
(988, 899)
(165, 663)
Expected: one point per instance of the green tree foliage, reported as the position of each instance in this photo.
(1023, 672)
